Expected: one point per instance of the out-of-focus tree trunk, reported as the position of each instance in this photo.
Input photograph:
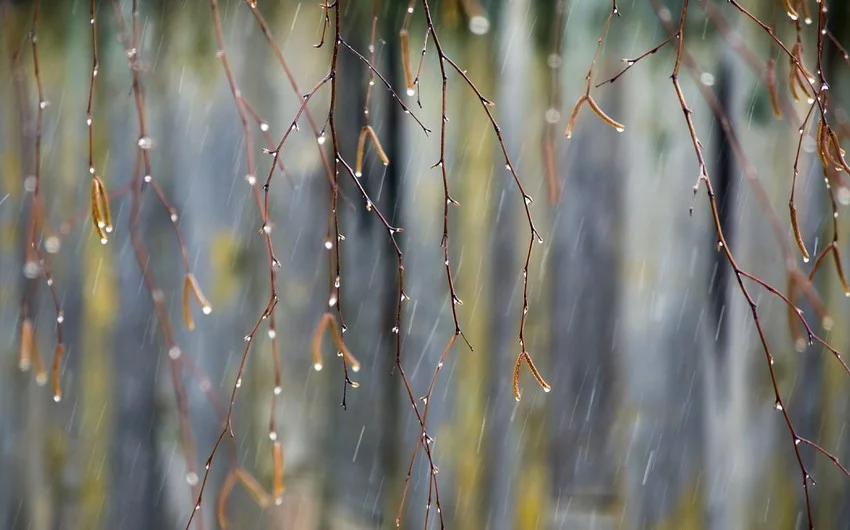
(500, 451)
(585, 262)
(725, 370)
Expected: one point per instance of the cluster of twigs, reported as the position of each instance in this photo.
(35, 261)
(332, 17)
(802, 84)
(333, 163)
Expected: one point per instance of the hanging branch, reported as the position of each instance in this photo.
(175, 355)
(101, 218)
(586, 97)
(36, 264)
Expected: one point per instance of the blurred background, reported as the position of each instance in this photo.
(661, 414)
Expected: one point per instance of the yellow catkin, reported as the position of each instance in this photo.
(97, 215)
(361, 149)
(798, 236)
(540, 381)
(573, 115)
(277, 477)
(789, 9)
(405, 58)
(187, 310)
(25, 354)
(57, 364)
(840, 269)
(517, 366)
(206, 307)
(254, 488)
(221, 502)
(771, 88)
(38, 365)
(619, 127)
(326, 321)
(377, 145)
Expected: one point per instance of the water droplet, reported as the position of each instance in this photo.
(174, 353)
(264, 126)
(411, 92)
(29, 183)
(239, 382)
(148, 178)
(778, 405)
(796, 441)
(479, 25)
(247, 338)
(410, 9)
(275, 264)
(251, 179)
(192, 478)
(60, 317)
(395, 329)
(57, 398)
(272, 334)
(317, 367)
(328, 244)
(332, 301)
(173, 217)
(145, 142)
(277, 390)
(321, 139)
(43, 104)
(272, 436)
(336, 283)
(52, 244)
